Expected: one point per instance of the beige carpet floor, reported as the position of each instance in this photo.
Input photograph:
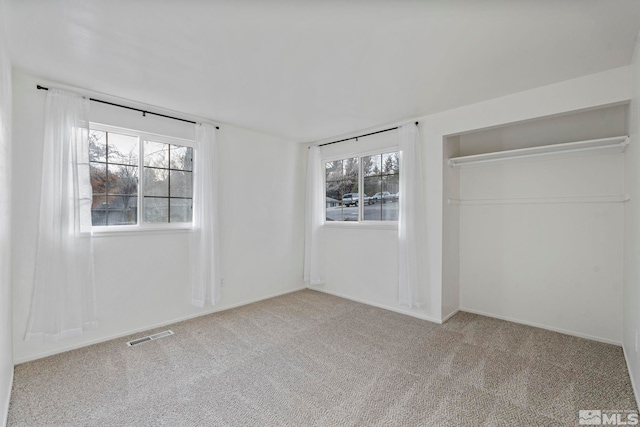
(311, 359)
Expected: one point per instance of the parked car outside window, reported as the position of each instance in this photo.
(350, 199)
(385, 197)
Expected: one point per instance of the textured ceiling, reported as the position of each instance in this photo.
(306, 70)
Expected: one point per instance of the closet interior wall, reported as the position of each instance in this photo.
(539, 240)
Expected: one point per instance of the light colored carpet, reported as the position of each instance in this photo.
(311, 359)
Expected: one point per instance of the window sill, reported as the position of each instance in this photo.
(114, 231)
(367, 225)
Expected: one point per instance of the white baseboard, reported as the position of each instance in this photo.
(5, 408)
(633, 383)
(450, 315)
(537, 325)
(151, 326)
(386, 307)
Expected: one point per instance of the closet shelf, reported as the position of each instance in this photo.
(616, 144)
(541, 200)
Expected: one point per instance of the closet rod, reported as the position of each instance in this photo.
(616, 142)
(144, 112)
(360, 136)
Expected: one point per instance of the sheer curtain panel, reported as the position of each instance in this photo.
(205, 277)
(63, 302)
(412, 240)
(314, 220)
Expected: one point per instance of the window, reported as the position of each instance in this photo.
(363, 188)
(117, 158)
(168, 182)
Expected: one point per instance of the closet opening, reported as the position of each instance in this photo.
(533, 222)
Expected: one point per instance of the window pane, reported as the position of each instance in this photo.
(350, 213)
(98, 176)
(181, 158)
(122, 210)
(334, 210)
(156, 209)
(372, 165)
(350, 186)
(334, 191)
(122, 149)
(390, 186)
(156, 182)
(334, 171)
(344, 206)
(373, 212)
(123, 179)
(350, 208)
(97, 146)
(390, 212)
(156, 154)
(181, 184)
(334, 200)
(390, 163)
(351, 170)
(372, 187)
(373, 202)
(99, 210)
(114, 194)
(181, 210)
(114, 186)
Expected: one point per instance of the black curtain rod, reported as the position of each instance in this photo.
(144, 112)
(360, 136)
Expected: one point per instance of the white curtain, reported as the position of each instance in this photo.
(412, 220)
(314, 220)
(63, 302)
(205, 275)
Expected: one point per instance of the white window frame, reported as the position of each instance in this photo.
(142, 227)
(361, 223)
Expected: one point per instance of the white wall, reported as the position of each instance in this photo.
(631, 287)
(345, 249)
(142, 280)
(6, 358)
(554, 265)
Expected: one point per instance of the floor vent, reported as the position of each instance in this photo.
(150, 338)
